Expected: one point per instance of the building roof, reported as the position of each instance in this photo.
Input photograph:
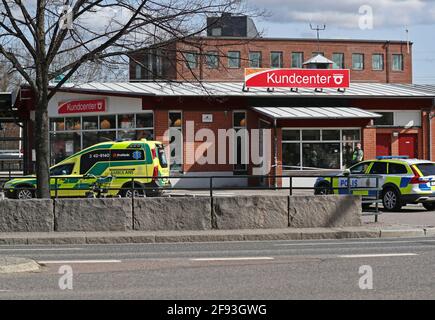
(315, 113)
(235, 89)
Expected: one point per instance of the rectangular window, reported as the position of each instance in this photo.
(138, 72)
(234, 59)
(358, 61)
(297, 59)
(176, 140)
(338, 59)
(255, 59)
(317, 148)
(212, 60)
(191, 60)
(378, 62)
(313, 135)
(63, 145)
(216, 32)
(386, 120)
(276, 59)
(397, 62)
(379, 168)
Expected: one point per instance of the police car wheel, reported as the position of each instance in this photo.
(23, 193)
(391, 200)
(429, 206)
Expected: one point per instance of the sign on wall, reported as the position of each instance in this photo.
(297, 78)
(82, 106)
(207, 117)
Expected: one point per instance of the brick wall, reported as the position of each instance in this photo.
(369, 142)
(286, 46)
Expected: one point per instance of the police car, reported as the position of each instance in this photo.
(401, 181)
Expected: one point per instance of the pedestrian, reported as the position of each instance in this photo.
(358, 154)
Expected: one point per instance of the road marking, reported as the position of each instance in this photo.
(232, 259)
(41, 249)
(377, 255)
(77, 261)
(349, 243)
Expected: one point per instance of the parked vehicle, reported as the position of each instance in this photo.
(402, 181)
(121, 161)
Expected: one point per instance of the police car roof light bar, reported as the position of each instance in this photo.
(391, 157)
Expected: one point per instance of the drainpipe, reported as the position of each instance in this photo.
(387, 61)
(275, 152)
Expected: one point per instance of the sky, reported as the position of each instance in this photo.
(357, 19)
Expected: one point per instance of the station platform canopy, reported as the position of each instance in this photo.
(315, 113)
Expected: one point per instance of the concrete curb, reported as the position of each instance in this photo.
(64, 238)
(14, 265)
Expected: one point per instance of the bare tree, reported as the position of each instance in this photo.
(48, 39)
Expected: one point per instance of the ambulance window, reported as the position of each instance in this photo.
(379, 168)
(360, 168)
(395, 168)
(89, 159)
(62, 170)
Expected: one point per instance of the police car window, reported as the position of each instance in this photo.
(89, 159)
(379, 168)
(61, 170)
(359, 168)
(395, 168)
(427, 169)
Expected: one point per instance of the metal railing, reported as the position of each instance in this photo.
(134, 186)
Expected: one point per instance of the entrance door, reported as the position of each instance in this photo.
(383, 144)
(408, 145)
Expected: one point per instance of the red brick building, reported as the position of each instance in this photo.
(225, 58)
(309, 129)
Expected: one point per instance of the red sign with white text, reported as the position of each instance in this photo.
(82, 106)
(297, 78)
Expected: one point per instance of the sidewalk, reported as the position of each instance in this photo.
(367, 231)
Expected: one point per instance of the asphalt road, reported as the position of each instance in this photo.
(327, 269)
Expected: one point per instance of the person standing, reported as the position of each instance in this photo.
(358, 154)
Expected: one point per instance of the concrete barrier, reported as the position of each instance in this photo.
(250, 212)
(324, 211)
(185, 213)
(110, 214)
(34, 215)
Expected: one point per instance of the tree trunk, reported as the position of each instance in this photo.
(42, 147)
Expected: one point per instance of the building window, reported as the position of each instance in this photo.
(70, 134)
(191, 60)
(234, 59)
(241, 136)
(212, 60)
(378, 62)
(358, 61)
(138, 72)
(216, 32)
(297, 59)
(397, 62)
(255, 59)
(276, 59)
(176, 140)
(338, 59)
(306, 149)
(387, 119)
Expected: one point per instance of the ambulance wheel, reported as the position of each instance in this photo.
(430, 206)
(391, 200)
(138, 192)
(23, 193)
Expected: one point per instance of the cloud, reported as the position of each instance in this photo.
(348, 13)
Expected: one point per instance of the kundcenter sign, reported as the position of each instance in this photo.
(81, 106)
(297, 78)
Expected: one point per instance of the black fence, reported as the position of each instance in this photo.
(132, 186)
